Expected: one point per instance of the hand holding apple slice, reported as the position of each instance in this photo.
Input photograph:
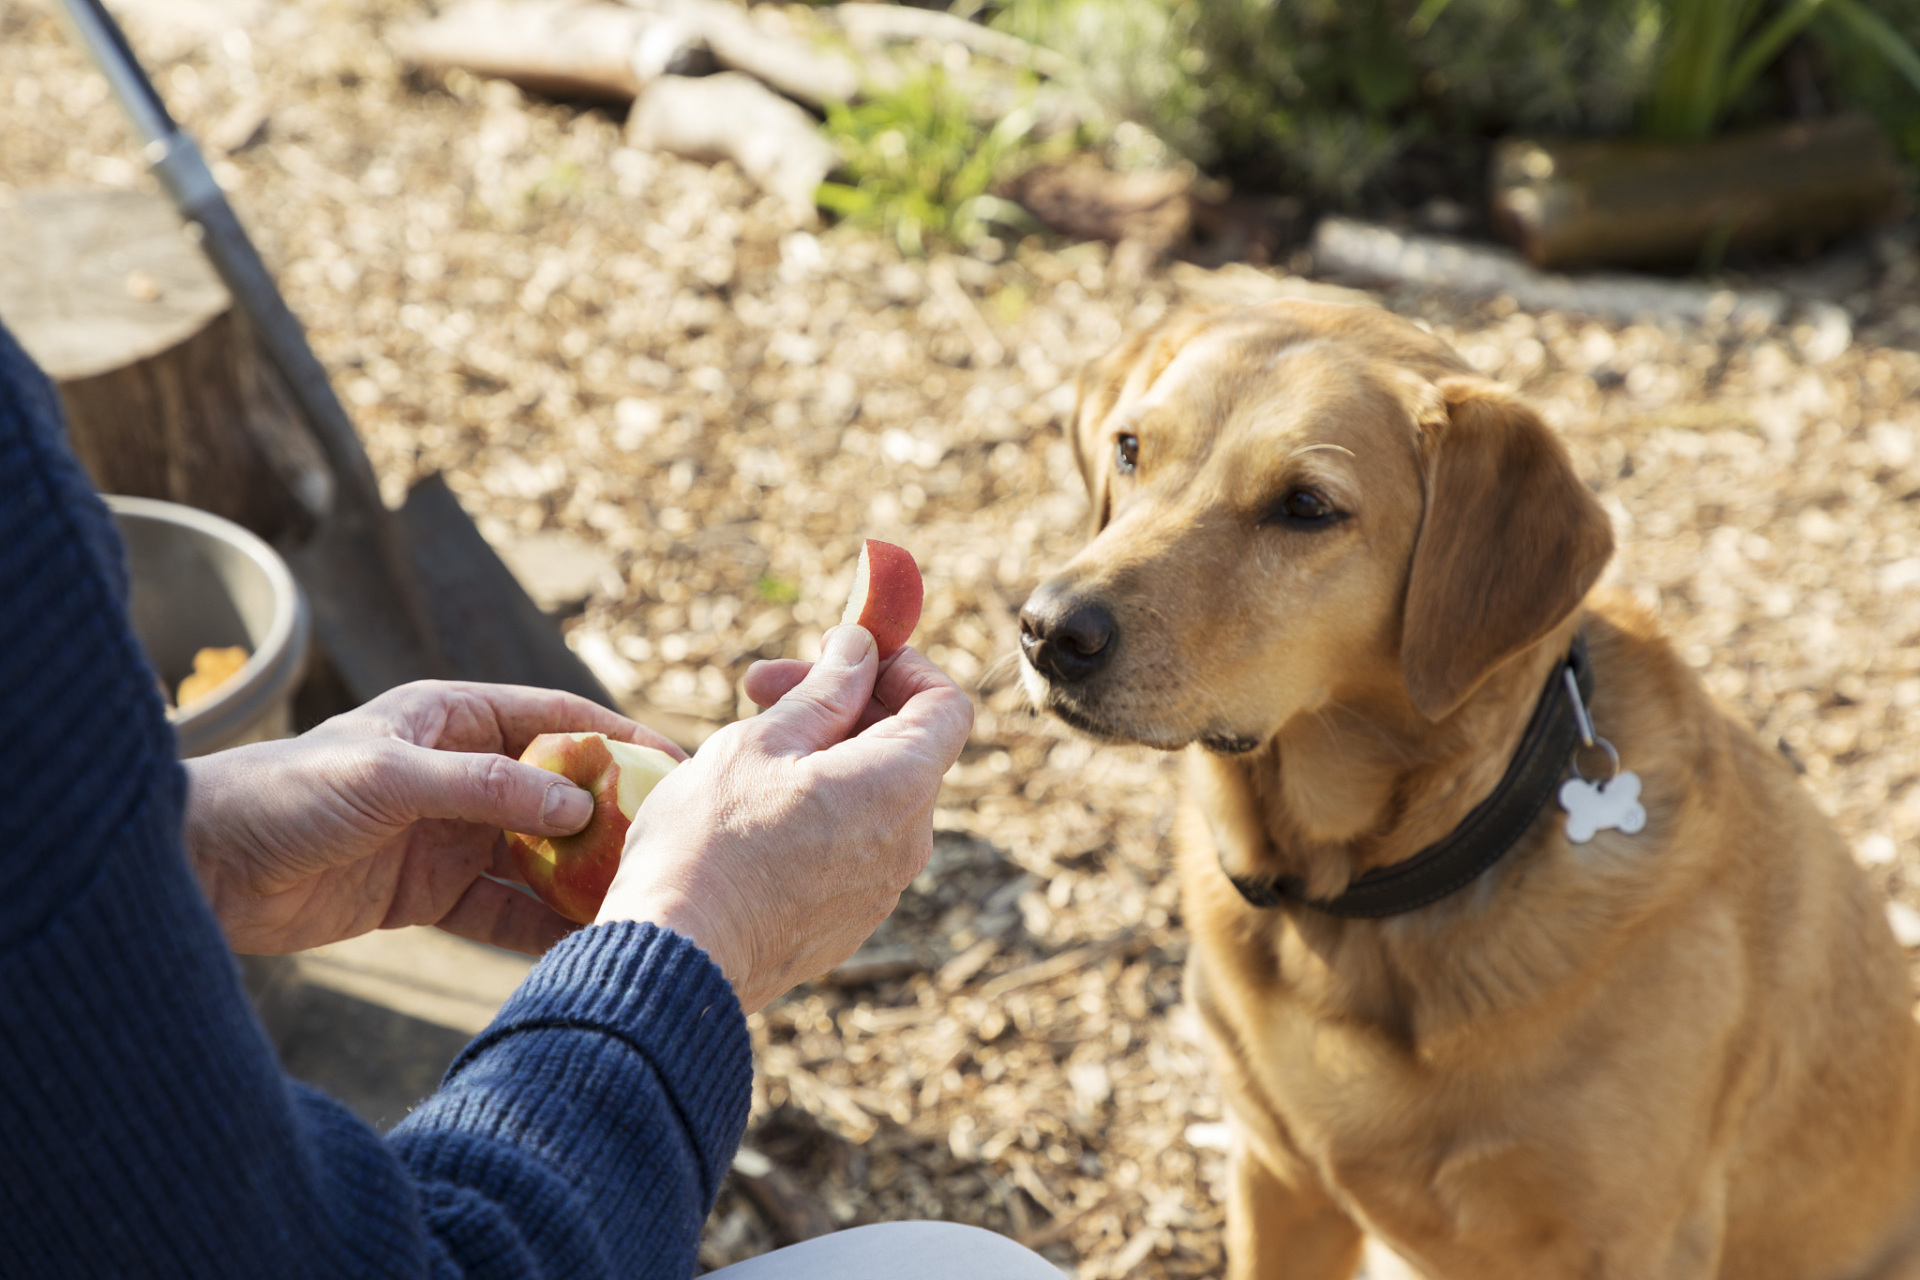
(886, 600)
(887, 595)
(571, 873)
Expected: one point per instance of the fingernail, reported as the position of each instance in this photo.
(847, 646)
(567, 807)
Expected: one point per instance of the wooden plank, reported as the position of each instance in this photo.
(488, 627)
(1635, 203)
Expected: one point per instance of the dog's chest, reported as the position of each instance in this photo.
(1409, 1159)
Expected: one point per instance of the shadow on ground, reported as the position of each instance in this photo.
(376, 1060)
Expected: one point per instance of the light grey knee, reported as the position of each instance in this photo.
(898, 1251)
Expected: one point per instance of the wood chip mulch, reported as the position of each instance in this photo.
(643, 355)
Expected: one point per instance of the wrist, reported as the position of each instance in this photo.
(197, 829)
(678, 913)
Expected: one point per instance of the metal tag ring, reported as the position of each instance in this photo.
(1613, 762)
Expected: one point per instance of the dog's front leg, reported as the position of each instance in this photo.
(1285, 1228)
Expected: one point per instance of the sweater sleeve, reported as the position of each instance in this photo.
(146, 1126)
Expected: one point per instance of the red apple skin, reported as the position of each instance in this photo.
(887, 595)
(572, 873)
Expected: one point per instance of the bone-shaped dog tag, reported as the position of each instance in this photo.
(1613, 805)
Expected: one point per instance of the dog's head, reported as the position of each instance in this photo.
(1293, 505)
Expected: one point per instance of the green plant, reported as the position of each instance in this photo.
(775, 589)
(921, 166)
(1879, 74)
(1716, 49)
(1324, 96)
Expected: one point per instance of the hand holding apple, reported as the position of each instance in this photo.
(886, 602)
(390, 815)
(790, 836)
(571, 872)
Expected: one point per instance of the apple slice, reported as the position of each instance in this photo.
(572, 873)
(887, 595)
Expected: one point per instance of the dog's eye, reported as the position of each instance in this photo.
(1126, 453)
(1303, 507)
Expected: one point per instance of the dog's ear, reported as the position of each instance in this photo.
(1097, 393)
(1128, 370)
(1510, 543)
(1094, 397)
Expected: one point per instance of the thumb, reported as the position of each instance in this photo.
(823, 708)
(479, 786)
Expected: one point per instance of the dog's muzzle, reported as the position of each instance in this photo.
(1067, 638)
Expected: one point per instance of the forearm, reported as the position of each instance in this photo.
(146, 1119)
(611, 1093)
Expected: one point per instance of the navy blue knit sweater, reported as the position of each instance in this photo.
(145, 1128)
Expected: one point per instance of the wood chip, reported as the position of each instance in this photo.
(876, 964)
(1047, 970)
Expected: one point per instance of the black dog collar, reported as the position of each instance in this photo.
(1483, 836)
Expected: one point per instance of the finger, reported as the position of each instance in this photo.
(930, 726)
(768, 682)
(502, 865)
(458, 715)
(479, 786)
(524, 713)
(908, 673)
(501, 916)
(876, 712)
(571, 714)
(824, 707)
(776, 686)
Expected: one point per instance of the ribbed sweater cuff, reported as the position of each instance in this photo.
(645, 984)
(660, 994)
(605, 1101)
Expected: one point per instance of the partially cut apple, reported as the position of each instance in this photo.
(572, 873)
(887, 595)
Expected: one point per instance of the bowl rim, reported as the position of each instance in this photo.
(283, 646)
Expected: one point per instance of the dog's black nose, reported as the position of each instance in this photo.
(1066, 637)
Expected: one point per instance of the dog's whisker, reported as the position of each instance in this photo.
(997, 673)
(1336, 737)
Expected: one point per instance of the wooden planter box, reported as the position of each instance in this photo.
(1626, 202)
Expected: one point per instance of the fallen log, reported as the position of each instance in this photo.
(883, 22)
(1628, 202)
(734, 117)
(612, 51)
(795, 66)
(1144, 214)
(562, 48)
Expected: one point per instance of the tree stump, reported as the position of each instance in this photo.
(165, 393)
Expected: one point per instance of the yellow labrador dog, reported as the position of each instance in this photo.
(1511, 947)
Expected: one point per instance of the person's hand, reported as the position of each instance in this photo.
(388, 816)
(789, 837)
